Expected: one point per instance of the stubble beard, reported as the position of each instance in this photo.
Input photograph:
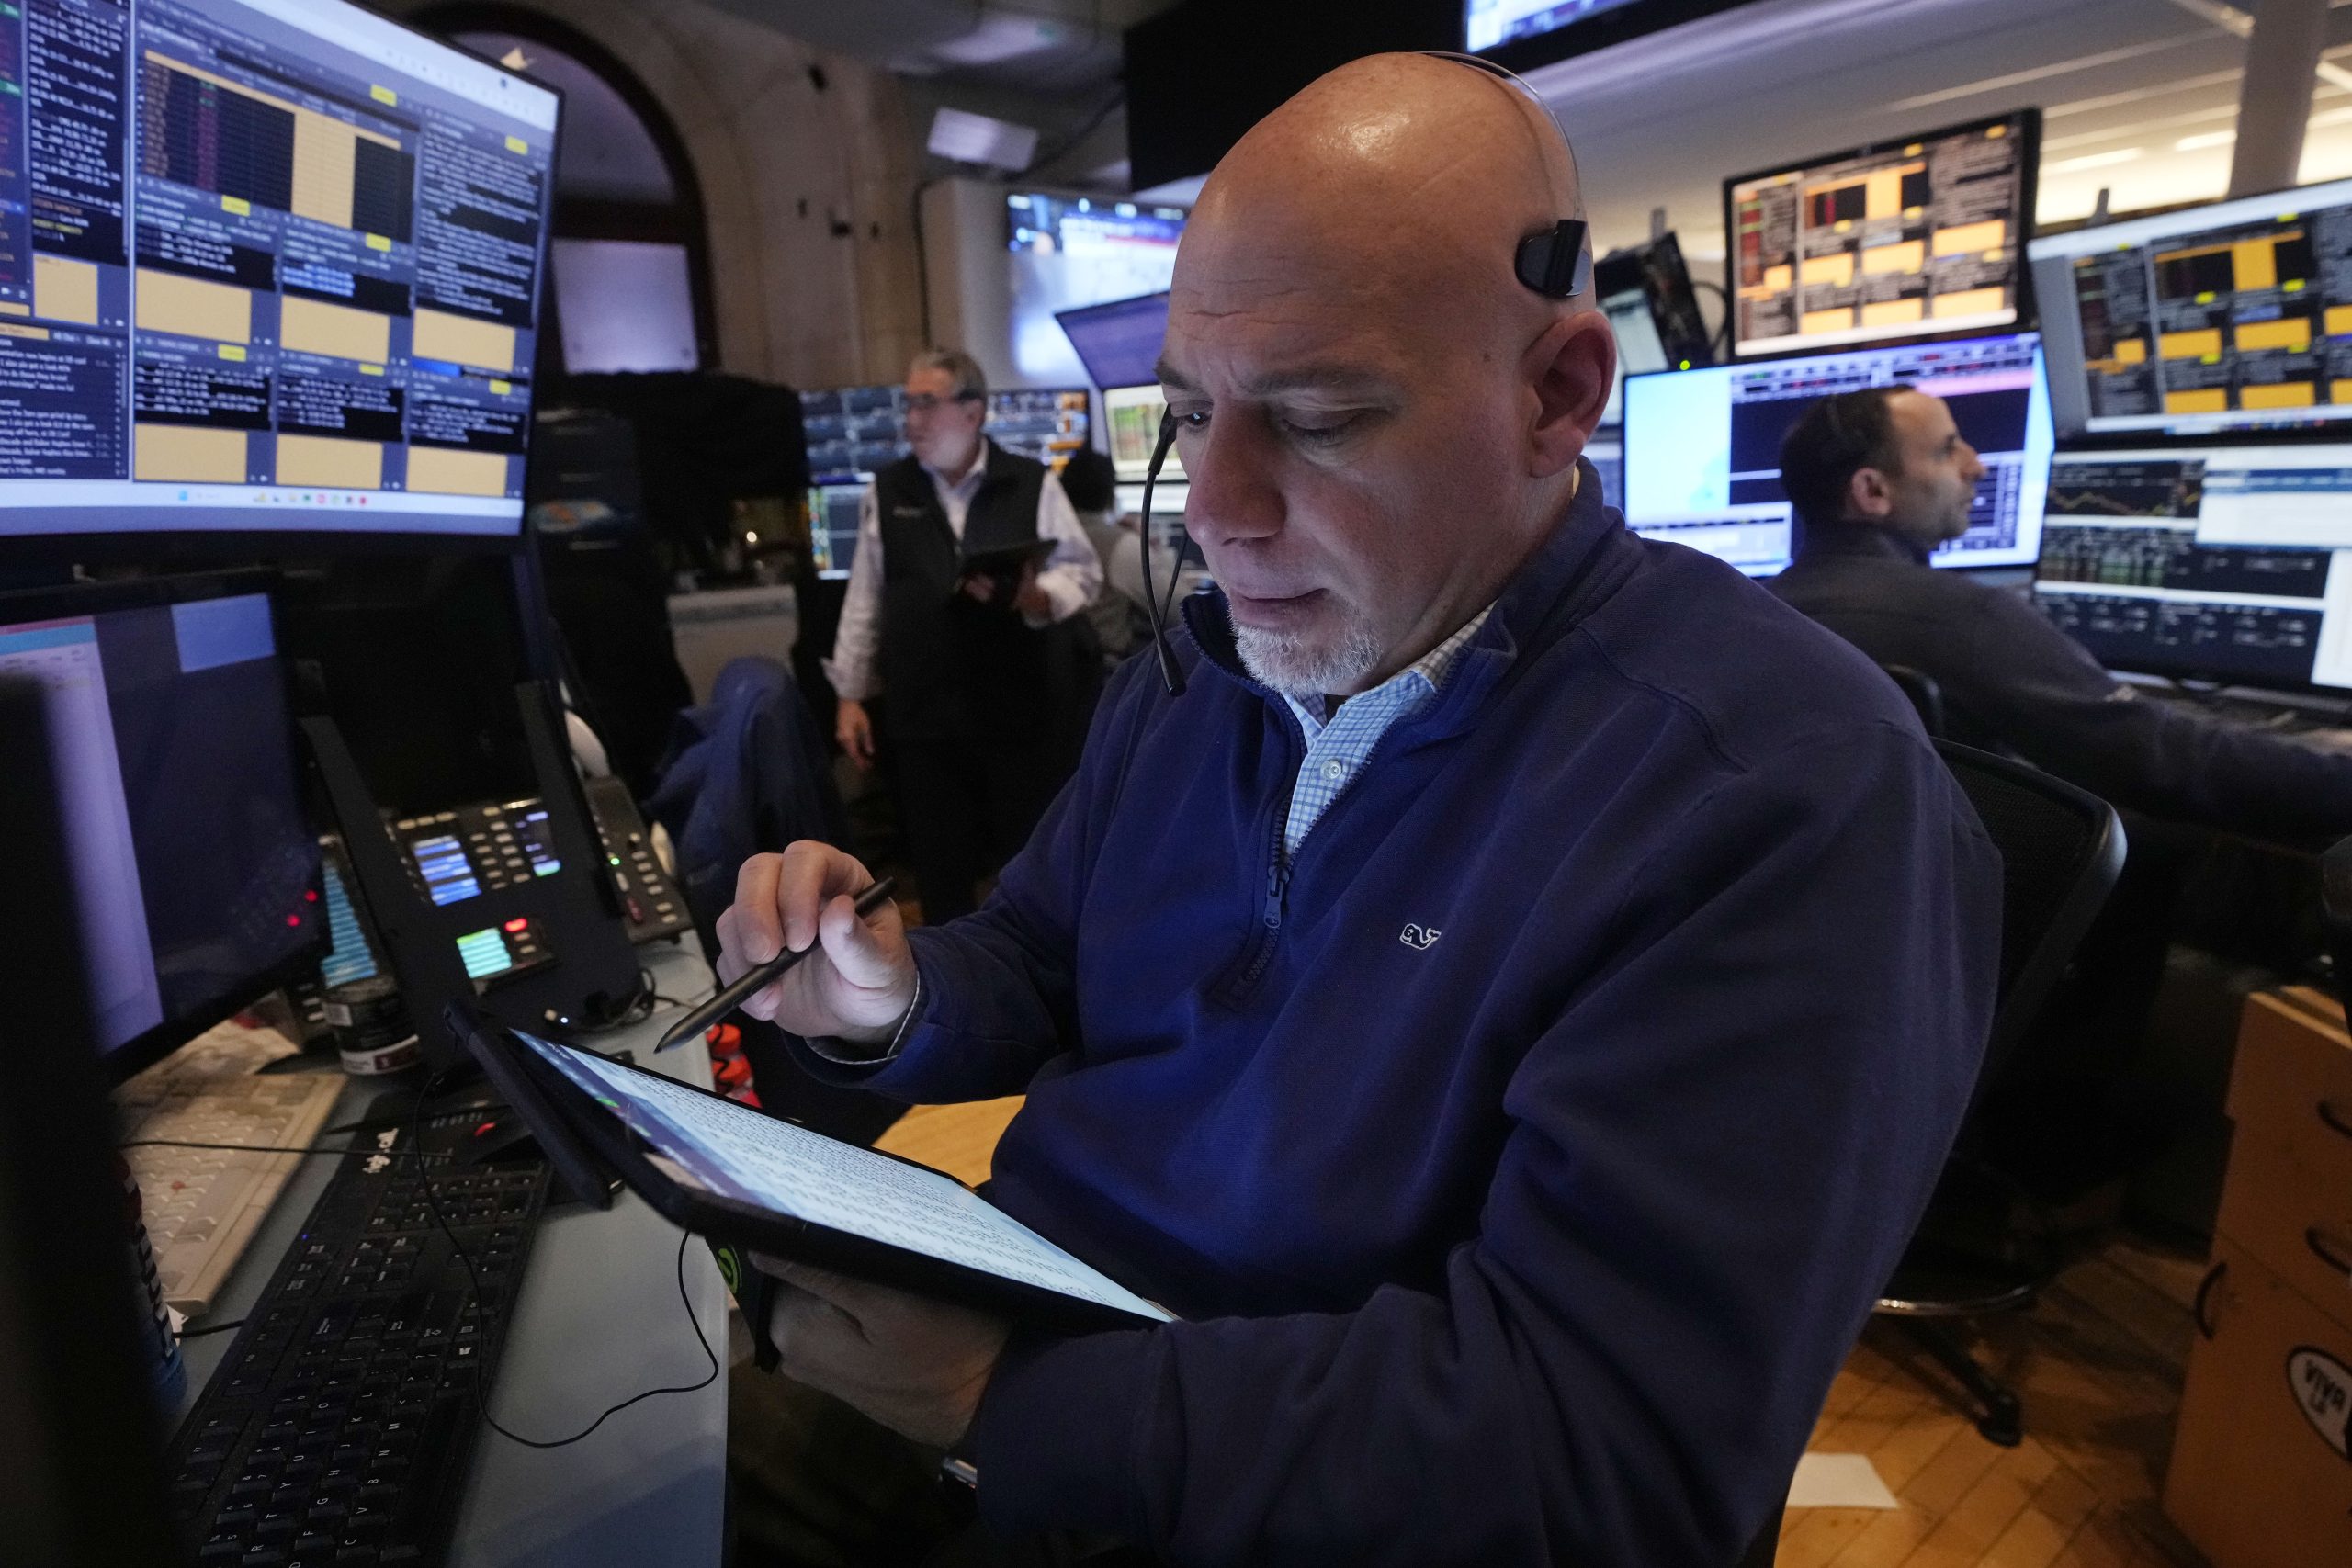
(1298, 667)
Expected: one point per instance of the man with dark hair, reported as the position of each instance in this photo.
(964, 608)
(1881, 477)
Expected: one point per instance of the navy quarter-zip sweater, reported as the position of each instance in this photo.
(1525, 1167)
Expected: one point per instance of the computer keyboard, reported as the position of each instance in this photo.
(203, 1205)
(338, 1427)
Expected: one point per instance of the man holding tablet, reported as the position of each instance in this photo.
(1511, 1008)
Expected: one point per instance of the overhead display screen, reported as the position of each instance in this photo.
(1902, 240)
(2232, 316)
(1487, 23)
(264, 264)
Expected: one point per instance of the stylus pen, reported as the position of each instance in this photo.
(729, 998)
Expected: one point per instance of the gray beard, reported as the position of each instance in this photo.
(1295, 669)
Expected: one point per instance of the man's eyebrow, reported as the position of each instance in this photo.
(1305, 378)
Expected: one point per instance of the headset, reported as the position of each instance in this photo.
(1556, 263)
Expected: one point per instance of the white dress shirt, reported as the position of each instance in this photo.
(1072, 576)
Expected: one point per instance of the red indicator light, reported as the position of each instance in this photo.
(309, 897)
(518, 924)
(294, 919)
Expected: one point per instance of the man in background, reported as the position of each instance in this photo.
(964, 607)
(1880, 478)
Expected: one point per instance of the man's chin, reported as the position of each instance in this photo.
(1304, 665)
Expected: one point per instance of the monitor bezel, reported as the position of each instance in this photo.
(2333, 430)
(2027, 120)
(1062, 320)
(202, 549)
(78, 599)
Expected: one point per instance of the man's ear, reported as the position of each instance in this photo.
(1571, 366)
(1869, 495)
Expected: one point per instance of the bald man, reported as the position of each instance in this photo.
(1512, 1006)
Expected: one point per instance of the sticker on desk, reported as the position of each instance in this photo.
(2322, 1389)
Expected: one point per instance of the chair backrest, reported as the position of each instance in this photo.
(2061, 849)
(1927, 697)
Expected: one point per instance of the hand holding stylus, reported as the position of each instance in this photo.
(858, 978)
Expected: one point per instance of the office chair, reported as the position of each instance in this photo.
(1927, 697)
(2061, 850)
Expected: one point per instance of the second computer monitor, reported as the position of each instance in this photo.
(1702, 447)
(2230, 317)
(2228, 563)
(196, 877)
(1900, 239)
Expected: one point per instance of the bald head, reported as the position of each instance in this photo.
(1379, 419)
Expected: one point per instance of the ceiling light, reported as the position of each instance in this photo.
(2210, 139)
(2092, 161)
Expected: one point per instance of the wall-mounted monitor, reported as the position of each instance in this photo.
(2233, 316)
(2227, 563)
(1702, 447)
(1524, 34)
(1915, 237)
(266, 266)
(1644, 290)
(1068, 251)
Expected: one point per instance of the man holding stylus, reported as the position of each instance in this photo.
(1512, 1006)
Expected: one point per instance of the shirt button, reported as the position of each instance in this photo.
(1335, 771)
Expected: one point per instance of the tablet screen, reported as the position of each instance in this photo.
(738, 1153)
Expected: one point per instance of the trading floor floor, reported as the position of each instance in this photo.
(2098, 1364)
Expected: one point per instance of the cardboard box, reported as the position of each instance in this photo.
(2288, 1201)
(2261, 1472)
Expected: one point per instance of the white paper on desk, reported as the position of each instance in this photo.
(1838, 1481)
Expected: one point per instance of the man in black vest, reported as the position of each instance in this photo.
(966, 608)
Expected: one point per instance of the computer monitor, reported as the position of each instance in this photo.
(1897, 240)
(1131, 417)
(274, 268)
(2233, 316)
(195, 878)
(2223, 563)
(1119, 342)
(834, 509)
(1606, 453)
(853, 433)
(1644, 290)
(1702, 447)
(1068, 251)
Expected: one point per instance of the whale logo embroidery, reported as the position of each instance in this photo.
(1420, 939)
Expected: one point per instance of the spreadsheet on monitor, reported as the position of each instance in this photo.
(265, 265)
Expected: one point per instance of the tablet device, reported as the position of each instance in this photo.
(736, 1175)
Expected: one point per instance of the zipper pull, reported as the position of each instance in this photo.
(1277, 883)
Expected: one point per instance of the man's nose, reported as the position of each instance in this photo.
(1233, 497)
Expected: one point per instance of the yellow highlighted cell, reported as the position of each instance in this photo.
(1971, 302)
(1961, 238)
(1826, 320)
(379, 242)
(383, 94)
(15, 308)
(238, 205)
(371, 370)
(2338, 320)
(2255, 263)
(2293, 333)
(66, 289)
(166, 302)
(188, 454)
(11, 329)
(329, 462)
(441, 470)
(2277, 395)
(1893, 312)
(517, 144)
(2202, 400)
(1834, 270)
(1908, 256)
(2191, 344)
(462, 340)
(231, 351)
(313, 326)
(501, 387)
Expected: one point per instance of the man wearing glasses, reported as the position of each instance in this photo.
(964, 610)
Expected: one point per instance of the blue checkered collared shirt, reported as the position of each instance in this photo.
(1339, 744)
